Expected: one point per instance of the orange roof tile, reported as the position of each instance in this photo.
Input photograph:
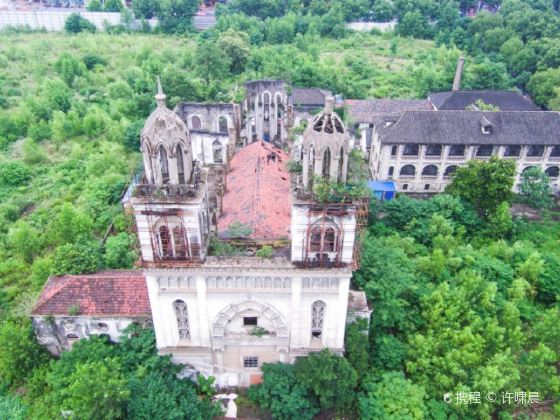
(258, 192)
(113, 292)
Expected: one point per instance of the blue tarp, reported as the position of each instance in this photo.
(383, 190)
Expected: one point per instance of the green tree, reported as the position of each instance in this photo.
(391, 396)
(413, 24)
(146, 9)
(76, 23)
(282, 394)
(20, 352)
(484, 184)
(534, 189)
(12, 408)
(211, 61)
(331, 378)
(541, 85)
(113, 5)
(500, 222)
(236, 46)
(357, 345)
(25, 240)
(69, 226)
(119, 251)
(69, 67)
(175, 16)
(14, 174)
(78, 258)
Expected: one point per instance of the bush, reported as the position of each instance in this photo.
(75, 24)
(92, 60)
(534, 189)
(14, 174)
(264, 252)
(119, 251)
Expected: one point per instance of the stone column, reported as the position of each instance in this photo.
(205, 324)
(296, 322)
(343, 287)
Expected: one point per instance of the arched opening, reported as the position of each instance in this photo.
(430, 170)
(408, 170)
(449, 170)
(552, 171)
(512, 151)
(317, 318)
(329, 240)
(457, 150)
(323, 242)
(527, 168)
(196, 124)
(394, 150)
(217, 151)
(315, 239)
(180, 164)
(326, 171)
(311, 167)
(433, 150)
(340, 165)
(223, 125)
(411, 150)
(535, 151)
(165, 242)
(182, 316)
(484, 150)
(555, 152)
(391, 172)
(164, 165)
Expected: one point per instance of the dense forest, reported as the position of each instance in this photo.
(465, 296)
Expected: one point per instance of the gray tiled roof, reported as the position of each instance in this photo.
(464, 127)
(368, 110)
(309, 96)
(461, 99)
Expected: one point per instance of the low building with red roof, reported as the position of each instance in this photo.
(71, 307)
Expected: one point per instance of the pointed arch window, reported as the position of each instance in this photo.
(179, 242)
(217, 151)
(164, 165)
(317, 318)
(323, 238)
(182, 315)
(327, 164)
(340, 164)
(180, 164)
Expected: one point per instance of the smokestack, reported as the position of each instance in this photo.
(458, 74)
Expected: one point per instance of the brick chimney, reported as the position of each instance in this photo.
(458, 74)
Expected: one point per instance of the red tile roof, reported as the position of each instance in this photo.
(114, 292)
(258, 192)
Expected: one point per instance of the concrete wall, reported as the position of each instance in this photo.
(203, 146)
(368, 26)
(53, 20)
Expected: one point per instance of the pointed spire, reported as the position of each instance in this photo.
(160, 96)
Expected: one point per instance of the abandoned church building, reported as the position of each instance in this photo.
(240, 262)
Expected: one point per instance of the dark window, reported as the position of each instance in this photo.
(166, 251)
(527, 168)
(391, 171)
(457, 150)
(433, 150)
(430, 170)
(327, 163)
(251, 362)
(317, 318)
(163, 165)
(182, 318)
(180, 165)
(250, 320)
(426, 186)
(315, 240)
(552, 171)
(555, 152)
(449, 170)
(102, 326)
(535, 151)
(394, 150)
(179, 242)
(217, 151)
(222, 125)
(329, 240)
(405, 187)
(195, 123)
(411, 150)
(340, 164)
(484, 150)
(512, 151)
(408, 170)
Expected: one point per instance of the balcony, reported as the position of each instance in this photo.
(432, 157)
(456, 158)
(406, 178)
(534, 159)
(429, 177)
(410, 157)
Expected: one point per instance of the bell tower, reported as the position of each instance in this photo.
(170, 203)
(325, 148)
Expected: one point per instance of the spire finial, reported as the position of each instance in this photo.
(160, 96)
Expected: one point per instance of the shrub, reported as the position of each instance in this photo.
(264, 252)
(78, 258)
(75, 24)
(14, 174)
(119, 251)
(92, 60)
